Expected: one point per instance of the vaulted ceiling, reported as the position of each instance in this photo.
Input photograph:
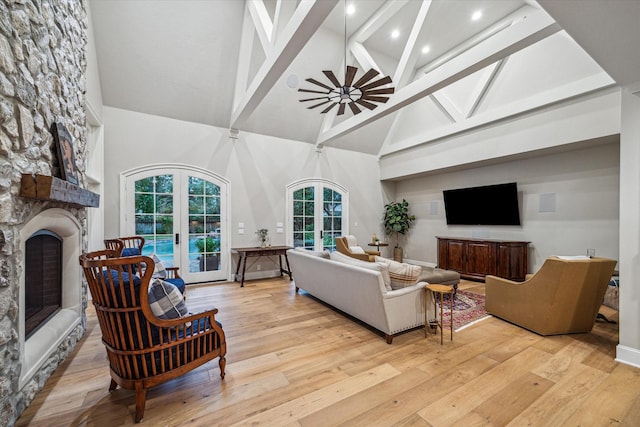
(239, 64)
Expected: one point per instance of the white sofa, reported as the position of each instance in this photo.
(359, 292)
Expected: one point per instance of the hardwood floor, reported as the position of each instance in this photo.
(294, 361)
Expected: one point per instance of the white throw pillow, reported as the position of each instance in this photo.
(356, 250)
(401, 274)
(377, 266)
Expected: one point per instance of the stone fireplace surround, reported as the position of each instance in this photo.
(35, 351)
(43, 63)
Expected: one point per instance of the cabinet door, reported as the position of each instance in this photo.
(481, 258)
(456, 255)
(512, 260)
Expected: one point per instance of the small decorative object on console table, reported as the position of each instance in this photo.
(263, 235)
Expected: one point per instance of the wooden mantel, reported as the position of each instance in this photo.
(44, 187)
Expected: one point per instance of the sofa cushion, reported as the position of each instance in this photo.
(166, 301)
(401, 274)
(321, 254)
(356, 249)
(376, 266)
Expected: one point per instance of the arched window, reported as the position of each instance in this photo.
(181, 212)
(317, 212)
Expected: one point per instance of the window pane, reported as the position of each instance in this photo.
(298, 194)
(144, 203)
(196, 204)
(309, 193)
(298, 208)
(196, 224)
(196, 185)
(308, 209)
(144, 185)
(212, 205)
(164, 224)
(144, 224)
(211, 189)
(164, 184)
(164, 204)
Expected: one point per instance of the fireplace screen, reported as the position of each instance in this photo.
(43, 279)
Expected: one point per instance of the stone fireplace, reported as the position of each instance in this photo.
(43, 64)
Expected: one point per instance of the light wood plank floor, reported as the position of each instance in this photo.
(294, 361)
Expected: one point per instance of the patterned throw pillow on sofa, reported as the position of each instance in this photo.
(401, 274)
(166, 300)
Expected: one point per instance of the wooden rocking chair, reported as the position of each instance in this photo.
(144, 350)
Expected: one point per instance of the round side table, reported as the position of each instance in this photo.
(438, 292)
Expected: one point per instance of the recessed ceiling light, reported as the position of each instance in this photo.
(351, 9)
(395, 34)
(476, 15)
(425, 49)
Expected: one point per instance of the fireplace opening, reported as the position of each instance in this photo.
(43, 279)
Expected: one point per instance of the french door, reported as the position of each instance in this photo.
(181, 213)
(317, 213)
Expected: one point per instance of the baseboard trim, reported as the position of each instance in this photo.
(628, 355)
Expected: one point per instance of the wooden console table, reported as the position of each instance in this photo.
(245, 253)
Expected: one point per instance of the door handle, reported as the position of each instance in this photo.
(177, 238)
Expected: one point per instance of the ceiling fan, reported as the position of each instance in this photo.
(363, 92)
(352, 94)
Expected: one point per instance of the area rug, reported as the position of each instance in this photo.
(468, 308)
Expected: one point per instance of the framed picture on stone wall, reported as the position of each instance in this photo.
(66, 158)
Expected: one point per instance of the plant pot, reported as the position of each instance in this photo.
(397, 254)
(212, 262)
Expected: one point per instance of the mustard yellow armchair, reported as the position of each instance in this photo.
(348, 245)
(563, 297)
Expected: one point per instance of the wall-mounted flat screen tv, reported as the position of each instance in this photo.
(486, 205)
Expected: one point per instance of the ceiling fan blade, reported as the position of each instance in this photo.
(313, 99)
(341, 109)
(367, 76)
(317, 105)
(354, 108)
(349, 75)
(311, 91)
(366, 104)
(329, 108)
(383, 91)
(375, 98)
(332, 77)
(383, 81)
(315, 82)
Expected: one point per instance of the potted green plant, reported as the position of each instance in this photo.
(397, 220)
(209, 248)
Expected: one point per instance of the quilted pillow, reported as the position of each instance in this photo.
(159, 272)
(401, 274)
(166, 301)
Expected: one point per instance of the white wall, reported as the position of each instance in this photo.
(258, 168)
(584, 183)
(628, 350)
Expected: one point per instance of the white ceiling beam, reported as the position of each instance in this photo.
(244, 58)
(481, 89)
(308, 17)
(284, 11)
(362, 56)
(448, 108)
(378, 19)
(503, 44)
(540, 100)
(410, 53)
(262, 23)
